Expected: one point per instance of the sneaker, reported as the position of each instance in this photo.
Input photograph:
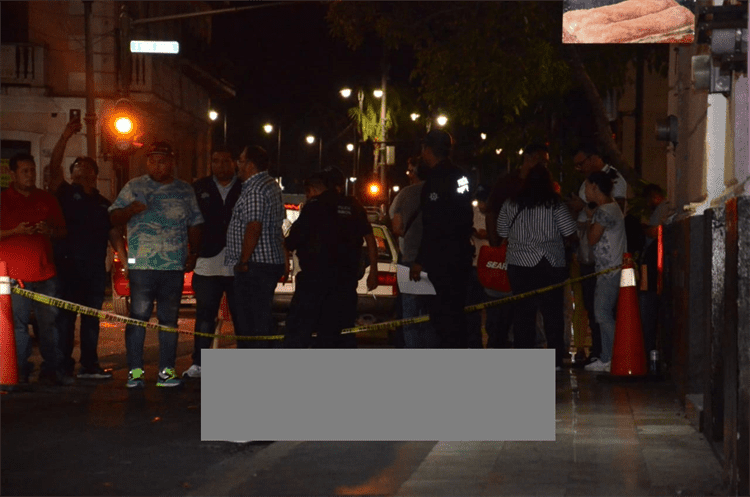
(95, 373)
(168, 378)
(193, 371)
(598, 365)
(135, 378)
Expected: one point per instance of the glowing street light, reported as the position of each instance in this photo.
(520, 151)
(396, 188)
(483, 136)
(345, 92)
(442, 120)
(268, 128)
(310, 139)
(213, 115)
(498, 151)
(350, 147)
(414, 116)
(378, 93)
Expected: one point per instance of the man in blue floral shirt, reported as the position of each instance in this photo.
(164, 228)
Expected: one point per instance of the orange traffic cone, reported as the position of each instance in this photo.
(8, 358)
(628, 352)
(223, 316)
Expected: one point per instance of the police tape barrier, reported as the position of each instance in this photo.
(477, 307)
(388, 325)
(108, 316)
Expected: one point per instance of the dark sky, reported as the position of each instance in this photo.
(290, 70)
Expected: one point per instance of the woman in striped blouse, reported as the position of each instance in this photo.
(536, 224)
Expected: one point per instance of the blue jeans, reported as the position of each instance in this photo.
(208, 293)
(253, 291)
(605, 304)
(147, 285)
(419, 335)
(46, 316)
(82, 283)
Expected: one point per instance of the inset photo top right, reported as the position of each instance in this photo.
(628, 21)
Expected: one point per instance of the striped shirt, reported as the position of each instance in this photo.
(260, 201)
(536, 233)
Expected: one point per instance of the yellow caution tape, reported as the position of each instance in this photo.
(108, 316)
(388, 325)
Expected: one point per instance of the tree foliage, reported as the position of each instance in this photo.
(495, 64)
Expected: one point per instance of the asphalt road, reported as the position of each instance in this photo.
(99, 438)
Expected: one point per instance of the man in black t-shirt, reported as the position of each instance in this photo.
(80, 257)
(327, 237)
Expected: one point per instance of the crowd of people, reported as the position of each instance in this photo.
(227, 228)
(545, 234)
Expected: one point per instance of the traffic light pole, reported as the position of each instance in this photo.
(90, 117)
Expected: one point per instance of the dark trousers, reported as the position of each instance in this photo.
(499, 321)
(208, 293)
(550, 303)
(589, 290)
(253, 293)
(81, 282)
(447, 309)
(322, 304)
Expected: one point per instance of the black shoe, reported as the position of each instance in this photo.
(95, 373)
(55, 378)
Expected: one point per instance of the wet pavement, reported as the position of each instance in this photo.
(99, 438)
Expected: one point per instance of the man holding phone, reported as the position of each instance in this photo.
(80, 257)
(31, 219)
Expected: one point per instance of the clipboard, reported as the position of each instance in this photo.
(405, 285)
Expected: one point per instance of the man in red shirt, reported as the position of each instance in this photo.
(30, 219)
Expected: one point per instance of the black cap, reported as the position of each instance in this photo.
(160, 148)
(439, 141)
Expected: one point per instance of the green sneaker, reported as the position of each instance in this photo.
(168, 378)
(135, 378)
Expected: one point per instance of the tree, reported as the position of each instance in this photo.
(494, 62)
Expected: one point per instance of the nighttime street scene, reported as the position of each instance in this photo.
(223, 225)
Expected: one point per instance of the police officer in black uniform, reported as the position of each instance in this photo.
(445, 252)
(327, 237)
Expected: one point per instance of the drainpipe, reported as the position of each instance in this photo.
(90, 116)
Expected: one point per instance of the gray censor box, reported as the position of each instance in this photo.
(376, 394)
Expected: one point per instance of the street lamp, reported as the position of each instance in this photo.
(268, 128)
(414, 116)
(346, 93)
(442, 120)
(483, 136)
(310, 139)
(350, 147)
(378, 93)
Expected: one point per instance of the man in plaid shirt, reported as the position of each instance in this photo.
(255, 247)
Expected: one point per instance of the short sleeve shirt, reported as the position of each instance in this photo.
(157, 237)
(535, 233)
(619, 189)
(610, 247)
(406, 204)
(28, 257)
(260, 201)
(87, 220)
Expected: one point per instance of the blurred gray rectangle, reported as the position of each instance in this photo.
(378, 394)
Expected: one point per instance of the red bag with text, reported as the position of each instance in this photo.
(492, 269)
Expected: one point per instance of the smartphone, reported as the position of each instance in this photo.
(75, 114)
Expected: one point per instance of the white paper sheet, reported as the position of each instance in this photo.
(405, 285)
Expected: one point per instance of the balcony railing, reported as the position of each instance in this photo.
(22, 64)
